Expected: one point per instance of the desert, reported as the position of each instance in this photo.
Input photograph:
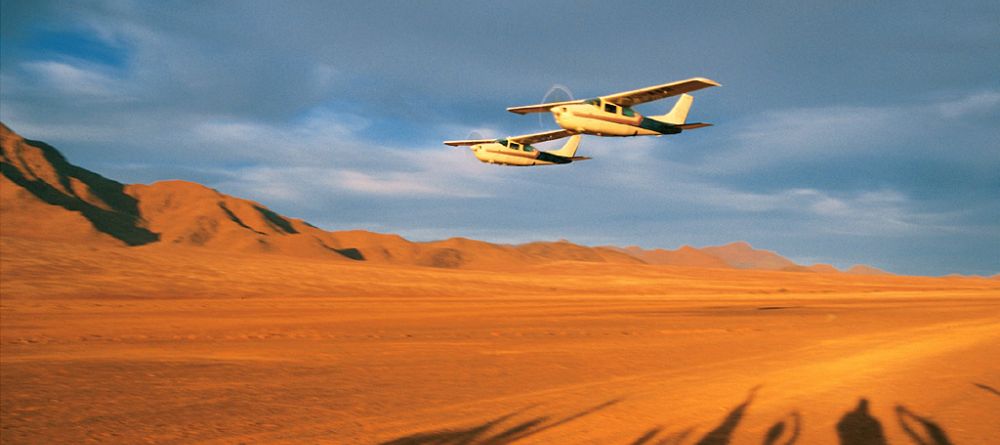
(173, 313)
(167, 347)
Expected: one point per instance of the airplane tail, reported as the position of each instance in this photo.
(568, 150)
(679, 113)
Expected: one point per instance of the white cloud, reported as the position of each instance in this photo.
(971, 104)
(830, 133)
(70, 79)
(327, 153)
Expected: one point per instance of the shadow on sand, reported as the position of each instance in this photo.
(859, 427)
(485, 435)
(856, 427)
(921, 430)
(987, 388)
(784, 432)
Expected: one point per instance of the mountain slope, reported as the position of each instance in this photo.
(43, 196)
(46, 197)
(686, 256)
(46, 176)
(742, 255)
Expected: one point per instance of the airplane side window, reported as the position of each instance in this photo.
(528, 148)
(515, 146)
(610, 108)
(628, 112)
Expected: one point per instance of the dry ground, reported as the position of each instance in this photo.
(180, 346)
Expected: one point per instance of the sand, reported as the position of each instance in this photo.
(158, 345)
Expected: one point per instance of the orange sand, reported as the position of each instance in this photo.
(176, 345)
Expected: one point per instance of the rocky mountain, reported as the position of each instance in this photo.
(43, 196)
(686, 256)
(46, 197)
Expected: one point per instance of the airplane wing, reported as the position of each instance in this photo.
(541, 108)
(694, 125)
(643, 95)
(468, 142)
(535, 138)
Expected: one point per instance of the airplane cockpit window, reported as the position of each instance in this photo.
(611, 108)
(502, 142)
(594, 102)
(515, 146)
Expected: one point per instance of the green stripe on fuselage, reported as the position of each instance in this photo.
(555, 159)
(659, 127)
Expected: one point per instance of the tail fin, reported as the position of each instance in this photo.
(568, 150)
(677, 115)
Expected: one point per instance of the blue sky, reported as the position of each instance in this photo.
(845, 133)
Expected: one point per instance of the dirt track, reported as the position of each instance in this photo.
(138, 346)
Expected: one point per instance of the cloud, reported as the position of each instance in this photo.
(825, 135)
(978, 103)
(69, 79)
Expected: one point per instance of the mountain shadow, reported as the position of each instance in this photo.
(108, 208)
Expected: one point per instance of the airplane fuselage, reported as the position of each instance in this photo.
(600, 118)
(511, 153)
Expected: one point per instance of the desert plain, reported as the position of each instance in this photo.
(155, 344)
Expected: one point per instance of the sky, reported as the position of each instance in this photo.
(845, 132)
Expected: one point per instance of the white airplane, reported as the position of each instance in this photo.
(612, 115)
(517, 150)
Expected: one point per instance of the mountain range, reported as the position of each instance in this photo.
(45, 197)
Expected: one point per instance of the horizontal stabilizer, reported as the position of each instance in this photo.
(694, 125)
(581, 158)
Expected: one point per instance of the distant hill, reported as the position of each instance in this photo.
(685, 256)
(742, 255)
(43, 196)
(861, 269)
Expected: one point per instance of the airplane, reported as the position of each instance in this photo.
(612, 115)
(517, 150)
